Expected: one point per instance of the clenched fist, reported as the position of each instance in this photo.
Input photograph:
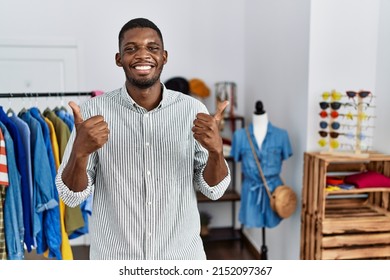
(91, 134)
(206, 129)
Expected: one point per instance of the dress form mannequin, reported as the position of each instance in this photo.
(260, 123)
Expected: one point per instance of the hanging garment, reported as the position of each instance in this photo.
(255, 209)
(13, 213)
(46, 137)
(3, 162)
(3, 185)
(73, 216)
(22, 167)
(66, 249)
(25, 135)
(46, 214)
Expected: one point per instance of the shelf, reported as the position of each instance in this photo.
(358, 191)
(221, 234)
(344, 224)
(229, 195)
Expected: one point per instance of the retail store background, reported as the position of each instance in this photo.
(283, 52)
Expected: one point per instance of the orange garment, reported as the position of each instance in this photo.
(66, 249)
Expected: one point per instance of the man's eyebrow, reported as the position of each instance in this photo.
(128, 43)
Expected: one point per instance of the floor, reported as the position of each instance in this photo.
(215, 250)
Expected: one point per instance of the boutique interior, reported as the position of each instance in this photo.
(318, 70)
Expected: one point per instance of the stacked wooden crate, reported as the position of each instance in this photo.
(344, 224)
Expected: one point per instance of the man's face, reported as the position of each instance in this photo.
(142, 57)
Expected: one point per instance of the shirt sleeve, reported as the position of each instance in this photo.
(235, 151)
(212, 192)
(69, 197)
(286, 148)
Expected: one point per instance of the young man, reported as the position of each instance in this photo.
(143, 151)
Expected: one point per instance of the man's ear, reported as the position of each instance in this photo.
(118, 59)
(165, 57)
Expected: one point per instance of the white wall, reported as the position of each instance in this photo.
(276, 72)
(343, 53)
(381, 140)
(197, 35)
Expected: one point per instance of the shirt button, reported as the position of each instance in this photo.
(150, 234)
(149, 203)
(147, 144)
(148, 172)
(146, 115)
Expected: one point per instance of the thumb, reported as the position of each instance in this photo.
(220, 108)
(76, 112)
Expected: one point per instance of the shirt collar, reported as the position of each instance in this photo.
(167, 97)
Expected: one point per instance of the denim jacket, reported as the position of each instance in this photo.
(13, 213)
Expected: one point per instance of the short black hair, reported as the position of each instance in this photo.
(139, 23)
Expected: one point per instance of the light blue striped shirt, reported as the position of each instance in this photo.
(144, 179)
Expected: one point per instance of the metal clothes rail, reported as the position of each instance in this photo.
(45, 94)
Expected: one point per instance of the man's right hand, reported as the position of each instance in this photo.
(91, 134)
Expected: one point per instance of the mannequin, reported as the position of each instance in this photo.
(272, 147)
(260, 123)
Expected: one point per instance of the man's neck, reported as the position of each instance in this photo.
(148, 98)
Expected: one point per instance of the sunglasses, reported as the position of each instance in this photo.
(332, 143)
(334, 135)
(333, 125)
(361, 94)
(349, 116)
(325, 114)
(361, 116)
(334, 95)
(334, 105)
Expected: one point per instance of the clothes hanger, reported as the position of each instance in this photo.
(10, 112)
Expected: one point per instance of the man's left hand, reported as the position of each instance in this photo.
(206, 129)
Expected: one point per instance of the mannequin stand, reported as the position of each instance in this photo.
(264, 249)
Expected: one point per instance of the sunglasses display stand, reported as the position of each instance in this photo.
(333, 144)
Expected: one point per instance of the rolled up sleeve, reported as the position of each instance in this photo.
(69, 197)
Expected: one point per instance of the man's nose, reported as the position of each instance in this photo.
(143, 52)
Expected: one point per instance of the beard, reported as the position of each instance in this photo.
(144, 83)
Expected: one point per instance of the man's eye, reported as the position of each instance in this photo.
(153, 49)
(129, 49)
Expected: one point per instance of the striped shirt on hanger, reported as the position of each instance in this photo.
(144, 179)
(3, 162)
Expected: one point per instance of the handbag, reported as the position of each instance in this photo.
(283, 199)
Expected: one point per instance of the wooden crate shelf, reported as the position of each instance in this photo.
(344, 224)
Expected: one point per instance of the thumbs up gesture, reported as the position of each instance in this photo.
(206, 129)
(91, 134)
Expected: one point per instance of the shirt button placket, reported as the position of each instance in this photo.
(148, 188)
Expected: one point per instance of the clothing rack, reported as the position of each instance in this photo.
(45, 94)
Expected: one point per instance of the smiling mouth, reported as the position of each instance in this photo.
(143, 68)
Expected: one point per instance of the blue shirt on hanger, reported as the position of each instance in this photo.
(255, 210)
(46, 137)
(47, 213)
(13, 208)
(24, 132)
(21, 162)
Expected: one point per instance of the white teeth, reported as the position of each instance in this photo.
(143, 67)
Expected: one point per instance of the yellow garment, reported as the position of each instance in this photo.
(332, 188)
(73, 216)
(66, 249)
